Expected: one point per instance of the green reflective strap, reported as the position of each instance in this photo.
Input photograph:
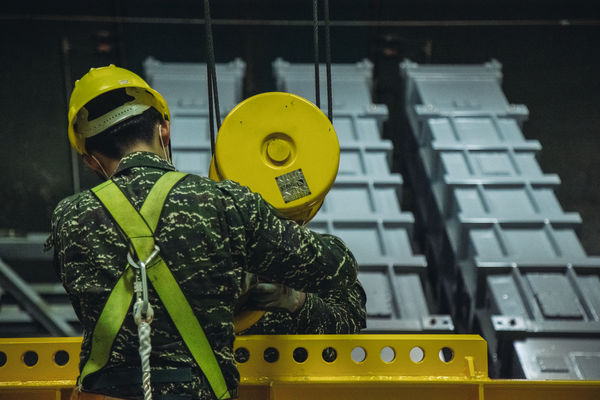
(127, 217)
(140, 231)
(153, 204)
(187, 324)
(112, 316)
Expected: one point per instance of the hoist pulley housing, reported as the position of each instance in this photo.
(281, 146)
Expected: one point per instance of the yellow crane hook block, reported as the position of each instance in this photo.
(281, 146)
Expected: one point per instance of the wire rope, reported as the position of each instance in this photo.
(328, 60)
(211, 78)
(316, 51)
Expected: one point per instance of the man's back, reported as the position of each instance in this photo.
(93, 255)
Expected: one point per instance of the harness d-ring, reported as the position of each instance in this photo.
(144, 312)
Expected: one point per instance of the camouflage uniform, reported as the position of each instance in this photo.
(209, 233)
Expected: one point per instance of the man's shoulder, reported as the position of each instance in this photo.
(196, 184)
(68, 214)
(77, 203)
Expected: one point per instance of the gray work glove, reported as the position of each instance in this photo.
(249, 280)
(275, 297)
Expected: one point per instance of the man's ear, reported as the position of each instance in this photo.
(165, 130)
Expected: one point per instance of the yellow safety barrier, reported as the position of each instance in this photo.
(313, 367)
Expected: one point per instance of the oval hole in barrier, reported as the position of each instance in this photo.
(358, 354)
(61, 358)
(271, 354)
(417, 354)
(2, 358)
(300, 355)
(446, 354)
(241, 355)
(329, 354)
(30, 358)
(388, 354)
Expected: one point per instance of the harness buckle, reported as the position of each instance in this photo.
(142, 311)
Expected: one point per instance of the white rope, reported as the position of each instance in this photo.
(145, 349)
(143, 315)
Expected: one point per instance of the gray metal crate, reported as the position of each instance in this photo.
(396, 302)
(483, 169)
(365, 127)
(365, 159)
(523, 243)
(487, 167)
(481, 130)
(485, 131)
(470, 90)
(364, 196)
(351, 83)
(392, 276)
(374, 240)
(190, 141)
(565, 359)
(183, 85)
(476, 212)
(546, 300)
(512, 253)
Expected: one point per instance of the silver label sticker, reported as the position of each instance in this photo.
(292, 185)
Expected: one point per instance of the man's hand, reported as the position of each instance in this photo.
(275, 297)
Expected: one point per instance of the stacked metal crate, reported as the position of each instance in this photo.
(183, 85)
(363, 207)
(507, 256)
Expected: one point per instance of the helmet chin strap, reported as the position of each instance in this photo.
(163, 144)
(101, 167)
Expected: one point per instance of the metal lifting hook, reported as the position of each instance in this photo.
(142, 311)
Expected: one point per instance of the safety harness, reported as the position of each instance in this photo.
(139, 228)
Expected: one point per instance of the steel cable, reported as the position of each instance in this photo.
(316, 50)
(211, 77)
(328, 60)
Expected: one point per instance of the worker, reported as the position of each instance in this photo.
(198, 239)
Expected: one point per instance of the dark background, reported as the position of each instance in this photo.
(549, 51)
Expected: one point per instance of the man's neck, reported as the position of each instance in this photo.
(111, 164)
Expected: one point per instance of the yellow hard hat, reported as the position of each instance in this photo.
(99, 81)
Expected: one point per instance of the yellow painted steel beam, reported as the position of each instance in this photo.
(436, 390)
(40, 362)
(379, 357)
(299, 367)
(386, 357)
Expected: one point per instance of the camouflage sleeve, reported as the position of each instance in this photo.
(53, 242)
(339, 311)
(281, 250)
